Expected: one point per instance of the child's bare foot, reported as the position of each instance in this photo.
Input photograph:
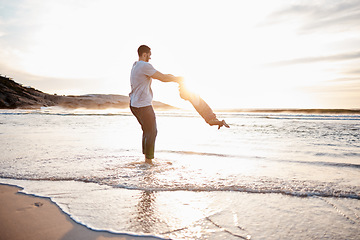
(215, 121)
(224, 124)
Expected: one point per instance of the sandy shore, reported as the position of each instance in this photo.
(27, 217)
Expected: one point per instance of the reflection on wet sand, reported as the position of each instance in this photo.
(145, 217)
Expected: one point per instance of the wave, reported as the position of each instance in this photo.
(316, 117)
(79, 113)
(260, 186)
(304, 111)
(317, 163)
(246, 189)
(292, 116)
(59, 111)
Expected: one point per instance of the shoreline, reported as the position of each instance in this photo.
(25, 216)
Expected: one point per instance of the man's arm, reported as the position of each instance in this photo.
(166, 77)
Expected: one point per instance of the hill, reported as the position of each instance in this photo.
(14, 95)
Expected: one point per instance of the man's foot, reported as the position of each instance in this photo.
(148, 161)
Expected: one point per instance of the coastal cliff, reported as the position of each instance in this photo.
(14, 95)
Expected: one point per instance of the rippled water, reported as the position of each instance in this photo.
(202, 178)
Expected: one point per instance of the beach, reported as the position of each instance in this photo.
(222, 215)
(270, 176)
(35, 218)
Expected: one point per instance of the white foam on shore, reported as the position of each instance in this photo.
(200, 215)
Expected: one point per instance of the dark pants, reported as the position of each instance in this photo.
(146, 118)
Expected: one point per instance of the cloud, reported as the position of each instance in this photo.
(329, 58)
(336, 94)
(347, 80)
(352, 88)
(320, 16)
(353, 71)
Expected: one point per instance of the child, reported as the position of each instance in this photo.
(201, 106)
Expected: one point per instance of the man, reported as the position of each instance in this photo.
(141, 97)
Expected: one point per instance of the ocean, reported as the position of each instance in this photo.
(269, 176)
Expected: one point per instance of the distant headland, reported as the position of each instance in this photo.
(14, 95)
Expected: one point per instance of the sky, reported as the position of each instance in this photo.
(235, 54)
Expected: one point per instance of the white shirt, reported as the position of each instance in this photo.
(141, 94)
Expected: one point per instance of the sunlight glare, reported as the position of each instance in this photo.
(231, 56)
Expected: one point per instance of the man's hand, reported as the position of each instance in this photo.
(178, 79)
(166, 77)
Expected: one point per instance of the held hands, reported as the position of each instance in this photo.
(173, 78)
(178, 80)
(184, 92)
(167, 77)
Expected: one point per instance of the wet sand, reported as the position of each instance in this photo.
(33, 218)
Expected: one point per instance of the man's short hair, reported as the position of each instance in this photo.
(143, 49)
